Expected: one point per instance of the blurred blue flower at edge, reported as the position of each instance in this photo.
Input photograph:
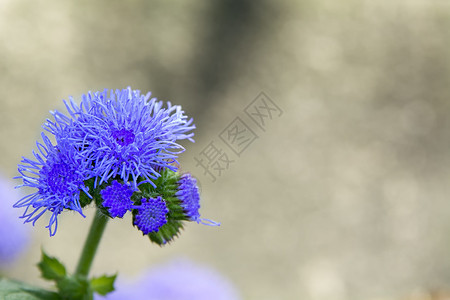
(14, 236)
(179, 279)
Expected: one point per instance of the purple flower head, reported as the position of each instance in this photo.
(189, 197)
(14, 236)
(151, 214)
(117, 199)
(177, 280)
(125, 134)
(58, 175)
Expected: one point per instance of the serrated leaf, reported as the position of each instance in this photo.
(104, 284)
(74, 288)
(15, 290)
(51, 268)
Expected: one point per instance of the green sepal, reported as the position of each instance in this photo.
(104, 284)
(75, 288)
(176, 212)
(166, 233)
(100, 207)
(166, 186)
(51, 268)
(84, 198)
(12, 289)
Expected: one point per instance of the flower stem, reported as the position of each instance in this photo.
(91, 243)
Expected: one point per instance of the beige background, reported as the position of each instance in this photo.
(345, 196)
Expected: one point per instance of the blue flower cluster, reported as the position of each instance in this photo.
(114, 147)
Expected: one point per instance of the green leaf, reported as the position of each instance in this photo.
(104, 284)
(51, 268)
(74, 288)
(17, 290)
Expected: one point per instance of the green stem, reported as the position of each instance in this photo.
(91, 243)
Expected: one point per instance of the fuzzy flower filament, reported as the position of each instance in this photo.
(126, 134)
(58, 175)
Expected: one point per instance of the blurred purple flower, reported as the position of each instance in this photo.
(177, 280)
(14, 236)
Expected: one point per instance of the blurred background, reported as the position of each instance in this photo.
(344, 192)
